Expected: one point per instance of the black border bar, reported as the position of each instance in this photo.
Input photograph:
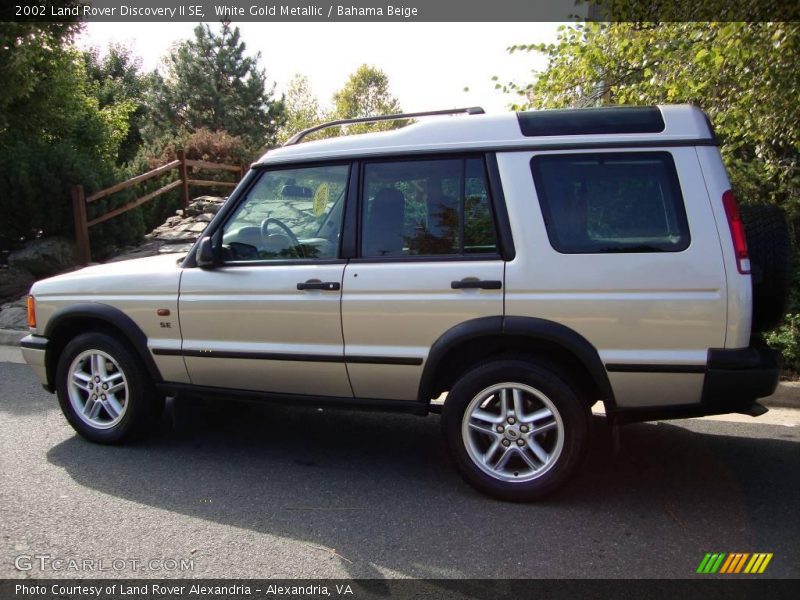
(407, 11)
(701, 587)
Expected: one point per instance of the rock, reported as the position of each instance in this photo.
(198, 227)
(13, 317)
(44, 257)
(175, 248)
(211, 199)
(204, 204)
(188, 224)
(14, 281)
(184, 226)
(172, 237)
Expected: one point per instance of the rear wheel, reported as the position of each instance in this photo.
(515, 430)
(104, 391)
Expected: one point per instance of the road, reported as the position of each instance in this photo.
(275, 492)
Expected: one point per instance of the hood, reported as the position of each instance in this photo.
(151, 275)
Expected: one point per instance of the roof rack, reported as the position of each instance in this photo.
(297, 137)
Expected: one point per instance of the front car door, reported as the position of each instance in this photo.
(427, 260)
(268, 318)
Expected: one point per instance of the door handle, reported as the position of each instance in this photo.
(316, 284)
(477, 284)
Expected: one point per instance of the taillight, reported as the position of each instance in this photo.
(31, 312)
(737, 232)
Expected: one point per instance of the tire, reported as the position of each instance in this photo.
(539, 464)
(129, 406)
(770, 262)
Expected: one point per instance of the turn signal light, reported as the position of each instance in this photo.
(31, 312)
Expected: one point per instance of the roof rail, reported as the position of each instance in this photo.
(297, 137)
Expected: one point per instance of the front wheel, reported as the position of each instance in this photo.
(104, 390)
(515, 430)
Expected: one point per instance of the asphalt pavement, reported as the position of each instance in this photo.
(252, 491)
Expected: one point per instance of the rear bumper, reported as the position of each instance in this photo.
(34, 351)
(734, 380)
(740, 377)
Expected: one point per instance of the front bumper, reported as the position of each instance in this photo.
(34, 351)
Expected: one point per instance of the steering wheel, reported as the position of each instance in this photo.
(298, 247)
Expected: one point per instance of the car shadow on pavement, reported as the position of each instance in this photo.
(379, 490)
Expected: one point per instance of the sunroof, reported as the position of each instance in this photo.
(589, 121)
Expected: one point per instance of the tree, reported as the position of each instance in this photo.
(53, 132)
(301, 108)
(639, 11)
(212, 84)
(366, 94)
(744, 75)
(23, 47)
(116, 78)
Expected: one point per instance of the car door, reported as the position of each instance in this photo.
(267, 318)
(427, 260)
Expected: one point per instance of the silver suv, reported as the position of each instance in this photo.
(508, 271)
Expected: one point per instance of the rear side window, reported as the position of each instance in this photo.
(426, 208)
(591, 121)
(611, 202)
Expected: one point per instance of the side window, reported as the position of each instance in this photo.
(426, 208)
(289, 214)
(611, 202)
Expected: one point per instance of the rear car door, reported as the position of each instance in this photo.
(427, 260)
(268, 318)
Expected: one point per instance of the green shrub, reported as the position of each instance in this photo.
(786, 337)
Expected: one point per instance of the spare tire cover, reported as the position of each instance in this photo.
(770, 259)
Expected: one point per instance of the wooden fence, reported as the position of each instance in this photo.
(185, 168)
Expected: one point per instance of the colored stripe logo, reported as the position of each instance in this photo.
(733, 563)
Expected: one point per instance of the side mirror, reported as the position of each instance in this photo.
(205, 254)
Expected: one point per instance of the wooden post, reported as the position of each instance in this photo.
(242, 172)
(184, 175)
(83, 251)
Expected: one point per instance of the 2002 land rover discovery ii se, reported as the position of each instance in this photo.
(529, 265)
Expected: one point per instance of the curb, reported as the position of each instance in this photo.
(786, 396)
(11, 337)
